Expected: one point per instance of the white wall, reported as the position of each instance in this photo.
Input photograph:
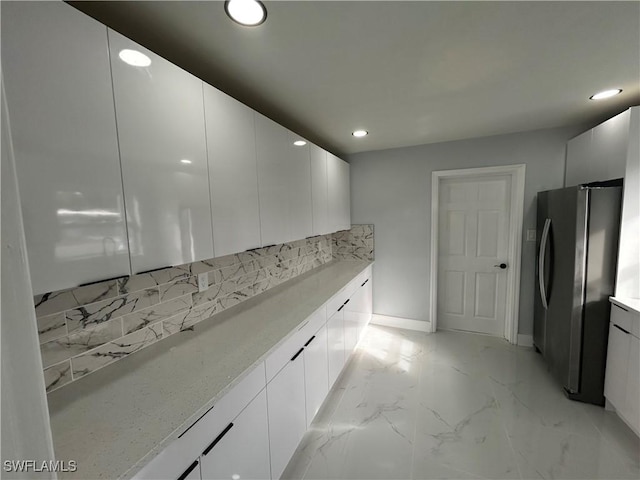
(26, 434)
(392, 190)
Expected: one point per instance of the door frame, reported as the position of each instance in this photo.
(516, 219)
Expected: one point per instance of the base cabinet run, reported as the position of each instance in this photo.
(622, 376)
(253, 431)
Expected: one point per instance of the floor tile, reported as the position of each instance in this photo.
(451, 405)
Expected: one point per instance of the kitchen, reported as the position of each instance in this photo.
(390, 188)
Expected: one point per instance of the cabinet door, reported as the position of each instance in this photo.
(632, 401)
(339, 194)
(316, 372)
(55, 65)
(241, 449)
(319, 193)
(299, 189)
(609, 144)
(160, 117)
(351, 323)
(287, 417)
(273, 162)
(615, 380)
(233, 175)
(578, 163)
(335, 343)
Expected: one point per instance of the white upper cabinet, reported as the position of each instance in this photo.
(319, 193)
(600, 153)
(55, 65)
(339, 193)
(160, 118)
(233, 176)
(273, 162)
(299, 188)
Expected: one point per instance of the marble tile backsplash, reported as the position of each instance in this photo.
(86, 328)
(354, 244)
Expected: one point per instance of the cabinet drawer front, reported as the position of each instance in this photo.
(285, 352)
(624, 319)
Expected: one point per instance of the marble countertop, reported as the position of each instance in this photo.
(116, 420)
(628, 303)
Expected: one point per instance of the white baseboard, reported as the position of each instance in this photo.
(398, 322)
(525, 340)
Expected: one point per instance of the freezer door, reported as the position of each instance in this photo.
(567, 210)
(542, 273)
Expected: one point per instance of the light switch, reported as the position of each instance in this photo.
(531, 235)
(203, 282)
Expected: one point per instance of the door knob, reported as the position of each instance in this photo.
(502, 266)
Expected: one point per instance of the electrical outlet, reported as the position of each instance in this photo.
(531, 235)
(203, 282)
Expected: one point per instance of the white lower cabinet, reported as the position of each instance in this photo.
(241, 449)
(335, 343)
(622, 375)
(286, 412)
(316, 372)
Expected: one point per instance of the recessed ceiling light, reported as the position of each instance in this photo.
(248, 13)
(360, 133)
(606, 94)
(299, 143)
(185, 161)
(134, 58)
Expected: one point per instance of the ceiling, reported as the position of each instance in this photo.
(408, 72)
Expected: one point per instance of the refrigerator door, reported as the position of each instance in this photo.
(542, 272)
(602, 238)
(567, 210)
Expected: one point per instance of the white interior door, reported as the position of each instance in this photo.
(473, 216)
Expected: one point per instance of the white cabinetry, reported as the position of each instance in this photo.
(316, 372)
(299, 187)
(55, 65)
(241, 449)
(160, 118)
(233, 176)
(319, 191)
(600, 153)
(284, 183)
(335, 343)
(273, 181)
(287, 413)
(339, 193)
(622, 376)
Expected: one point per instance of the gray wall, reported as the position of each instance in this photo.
(392, 190)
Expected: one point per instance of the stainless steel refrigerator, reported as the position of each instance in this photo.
(577, 244)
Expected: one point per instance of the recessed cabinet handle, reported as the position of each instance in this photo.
(348, 299)
(341, 306)
(309, 341)
(218, 438)
(622, 329)
(297, 353)
(188, 470)
(620, 307)
(363, 283)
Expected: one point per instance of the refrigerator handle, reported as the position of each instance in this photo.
(541, 257)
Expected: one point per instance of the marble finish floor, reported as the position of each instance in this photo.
(451, 405)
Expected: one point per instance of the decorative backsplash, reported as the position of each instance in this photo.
(354, 244)
(86, 328)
